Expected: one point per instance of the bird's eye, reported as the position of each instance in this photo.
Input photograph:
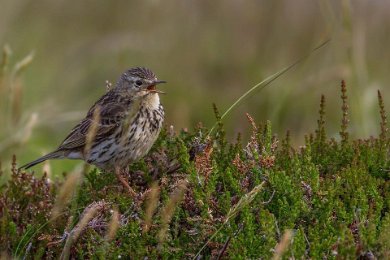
(138, 83)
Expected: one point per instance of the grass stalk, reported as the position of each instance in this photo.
(283, 245)
(261, 85)
(244, 201)
(169, 209)
(152, 203)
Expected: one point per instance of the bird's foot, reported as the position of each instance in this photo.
(125, 183)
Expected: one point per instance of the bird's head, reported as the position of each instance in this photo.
(139, 82)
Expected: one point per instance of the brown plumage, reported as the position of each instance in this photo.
(119, 128)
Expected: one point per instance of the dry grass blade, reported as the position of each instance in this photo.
(11, 101)
(169, 209)
(88, 214)
(16, 87)
(66, 192)
(245, 200)
(47, 169)
(92, 131)
(113, 226)
(283, 245)
(151, 206)
(27, 129)
(22, 135)
(267, 81)
(21, 65)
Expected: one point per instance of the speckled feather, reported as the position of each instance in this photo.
(129, 121)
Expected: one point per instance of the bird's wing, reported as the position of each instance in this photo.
(109, 116)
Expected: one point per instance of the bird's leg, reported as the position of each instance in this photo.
(124, 182)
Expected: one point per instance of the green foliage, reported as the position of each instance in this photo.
(333, 195)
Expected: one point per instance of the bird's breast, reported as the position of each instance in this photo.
(142, 133)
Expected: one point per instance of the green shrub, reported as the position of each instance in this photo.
(214, 198)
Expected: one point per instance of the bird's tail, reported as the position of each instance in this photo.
(52, 155)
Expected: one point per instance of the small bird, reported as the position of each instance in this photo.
(120, 128)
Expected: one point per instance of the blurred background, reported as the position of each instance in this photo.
(208, 51)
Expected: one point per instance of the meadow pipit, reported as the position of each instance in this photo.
(119, 128)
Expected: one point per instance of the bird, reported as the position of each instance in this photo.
(119, 129)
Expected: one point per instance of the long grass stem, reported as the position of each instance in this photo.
(267, 81)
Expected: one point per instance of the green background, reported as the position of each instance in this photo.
(208, 51)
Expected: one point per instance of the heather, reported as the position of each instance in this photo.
(202, 195)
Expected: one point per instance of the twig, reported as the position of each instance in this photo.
(240, 227)
(277, 228)
(307, 241)
(28, 249)
(270, 199)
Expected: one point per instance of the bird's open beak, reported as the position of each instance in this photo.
(152, 87)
